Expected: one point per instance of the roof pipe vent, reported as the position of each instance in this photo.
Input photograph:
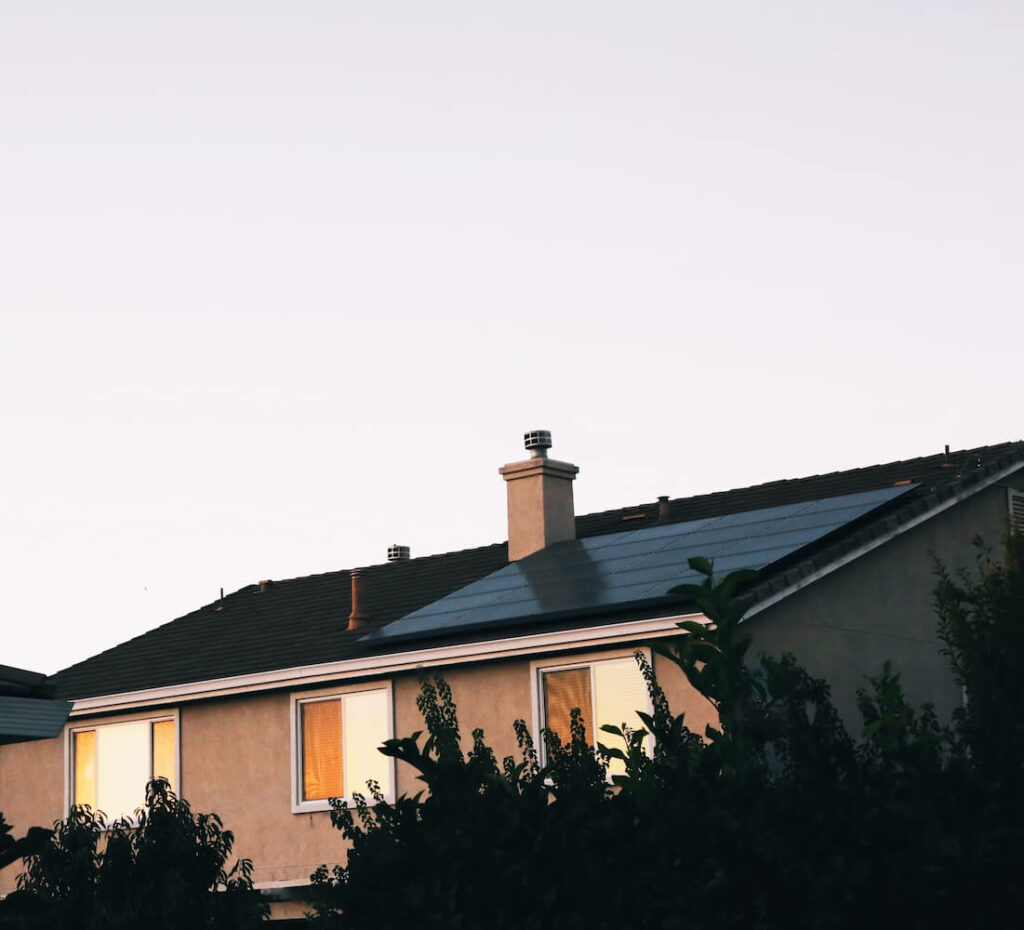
(357, 618)
(663, 508)
(397, 553)
(537, 443)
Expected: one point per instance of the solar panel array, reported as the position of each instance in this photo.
(632, 567)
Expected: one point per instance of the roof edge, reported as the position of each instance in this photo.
(840, 560)
(386, 664)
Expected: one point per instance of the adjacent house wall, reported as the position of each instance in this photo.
(880, 606)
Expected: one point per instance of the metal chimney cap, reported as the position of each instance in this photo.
(537, 442)
(397, 553)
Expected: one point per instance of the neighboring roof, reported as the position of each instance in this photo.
(302, 621)
(27, 708)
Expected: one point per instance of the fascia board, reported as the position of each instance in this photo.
(377, 666)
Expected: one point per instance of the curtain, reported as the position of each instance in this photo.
(563, 691)
(321, 750)
(85, 768)
(163, 750)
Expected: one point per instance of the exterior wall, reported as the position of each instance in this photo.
(880, 606)
(235, 759)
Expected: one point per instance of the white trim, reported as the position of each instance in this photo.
(71, 729)
(298, 805)
(880, 541)
(283, 883)
(1013, 497)
(381, 665)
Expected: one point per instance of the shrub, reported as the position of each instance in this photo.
(164, 871)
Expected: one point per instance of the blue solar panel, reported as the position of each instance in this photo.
(632, 566)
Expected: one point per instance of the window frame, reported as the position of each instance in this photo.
(337, 692)
(539, 667)
(82, 725)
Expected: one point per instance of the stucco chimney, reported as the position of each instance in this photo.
(540, 509)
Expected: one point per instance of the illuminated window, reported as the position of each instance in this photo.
(607, 691)
(336, 746)
(111, 763)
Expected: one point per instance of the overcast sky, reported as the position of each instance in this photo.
(282, 284)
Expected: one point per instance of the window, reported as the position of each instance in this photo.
(606, 690)
(336, 740)
(112, 762)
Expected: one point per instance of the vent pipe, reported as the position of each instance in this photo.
(397, 553)
(357, 618)
(663, 508)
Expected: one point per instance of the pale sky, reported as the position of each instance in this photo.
(284, 283)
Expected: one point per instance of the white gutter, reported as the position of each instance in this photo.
(378, 665)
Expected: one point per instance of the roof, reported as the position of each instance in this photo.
(633, 570)
(27, 708)
(302, 621)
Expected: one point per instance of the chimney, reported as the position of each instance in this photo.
(540, 509)
(357, 618)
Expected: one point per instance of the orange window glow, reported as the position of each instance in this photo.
(85, 767)
(321, 751)
(564, 691)
(163, 750)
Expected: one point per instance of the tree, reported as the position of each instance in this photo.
(164, 871)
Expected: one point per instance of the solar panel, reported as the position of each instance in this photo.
(633, 566)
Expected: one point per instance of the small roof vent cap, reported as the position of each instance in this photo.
(397, 553)
(537, 443)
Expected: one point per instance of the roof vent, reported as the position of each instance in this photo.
(358, 617)
(397, 553)
(537, 443)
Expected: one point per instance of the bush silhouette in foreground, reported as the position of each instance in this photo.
(165, 871)
(774, 818)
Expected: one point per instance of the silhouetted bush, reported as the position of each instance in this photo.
(164, 871)
(773, 818)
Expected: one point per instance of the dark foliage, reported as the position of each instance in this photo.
(163, 871)
(774, 818)
(11, 849)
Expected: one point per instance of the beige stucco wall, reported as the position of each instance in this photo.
(31, 791)
(236, 760)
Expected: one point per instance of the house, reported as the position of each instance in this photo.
(264, 704)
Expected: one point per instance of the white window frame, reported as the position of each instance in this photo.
(300, 806)
(586, 660)
(99, 723)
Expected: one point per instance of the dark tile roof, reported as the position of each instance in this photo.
(302, 621)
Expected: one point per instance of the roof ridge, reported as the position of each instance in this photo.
(777, 482)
